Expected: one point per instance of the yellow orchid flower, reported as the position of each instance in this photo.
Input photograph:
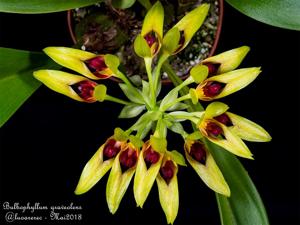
(204, 164)
(168, 188)
(86, 63)
(189, 25)
(98, 165)
(76, 87)
(122, 171)
(219, 86)
(227, 129)
(152, 29)
(148, 166)
(226, 61)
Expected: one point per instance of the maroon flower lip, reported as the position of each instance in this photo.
(111, 149)
(224, 118)
(167, 171)
(151, 156)
(214, 130)
(85, 90)
(212, 68)
(128, 159)
(198, 152)
(151, 39)
(213, 88)
(96, 65)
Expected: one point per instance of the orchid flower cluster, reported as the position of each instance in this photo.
(141, 151)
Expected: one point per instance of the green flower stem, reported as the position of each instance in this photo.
(184, 90)
(125, 80)
(117, 100)
(182, 98)
(157, 76)
(148, 63)
(145, 3)
(161, 129)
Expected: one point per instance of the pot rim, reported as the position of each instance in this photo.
(164, 81)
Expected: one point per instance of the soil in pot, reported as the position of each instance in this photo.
(104, 29)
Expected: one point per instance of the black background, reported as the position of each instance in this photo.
(45, 145)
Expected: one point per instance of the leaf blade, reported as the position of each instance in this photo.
(245, 199)
(16, 80)
(284, 14)
(45, 6)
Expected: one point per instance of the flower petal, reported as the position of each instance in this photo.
(72, 59)
(233, 81)
(168, 197)
(209, 173)
(231, 142)
(117, 184)
(215, 109)
(154, 20)
(93, 171)
(191, 22)
(144, 178)
(60, 82)
(247, 129)
(228, 60)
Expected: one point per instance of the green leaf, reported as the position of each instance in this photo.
(245, 199)
(42, 6)
(131, 94)
(146, 119)
(130, 111)
(168, 99)
(178, 106)
(16, 80)
(278, 13)
(177, 128)
(122, 4)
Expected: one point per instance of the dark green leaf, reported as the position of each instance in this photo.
(16, 80)
(244, 199)
(280, 13)
(122, 4)
(42, 6)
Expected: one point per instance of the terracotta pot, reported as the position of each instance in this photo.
(164, 81)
